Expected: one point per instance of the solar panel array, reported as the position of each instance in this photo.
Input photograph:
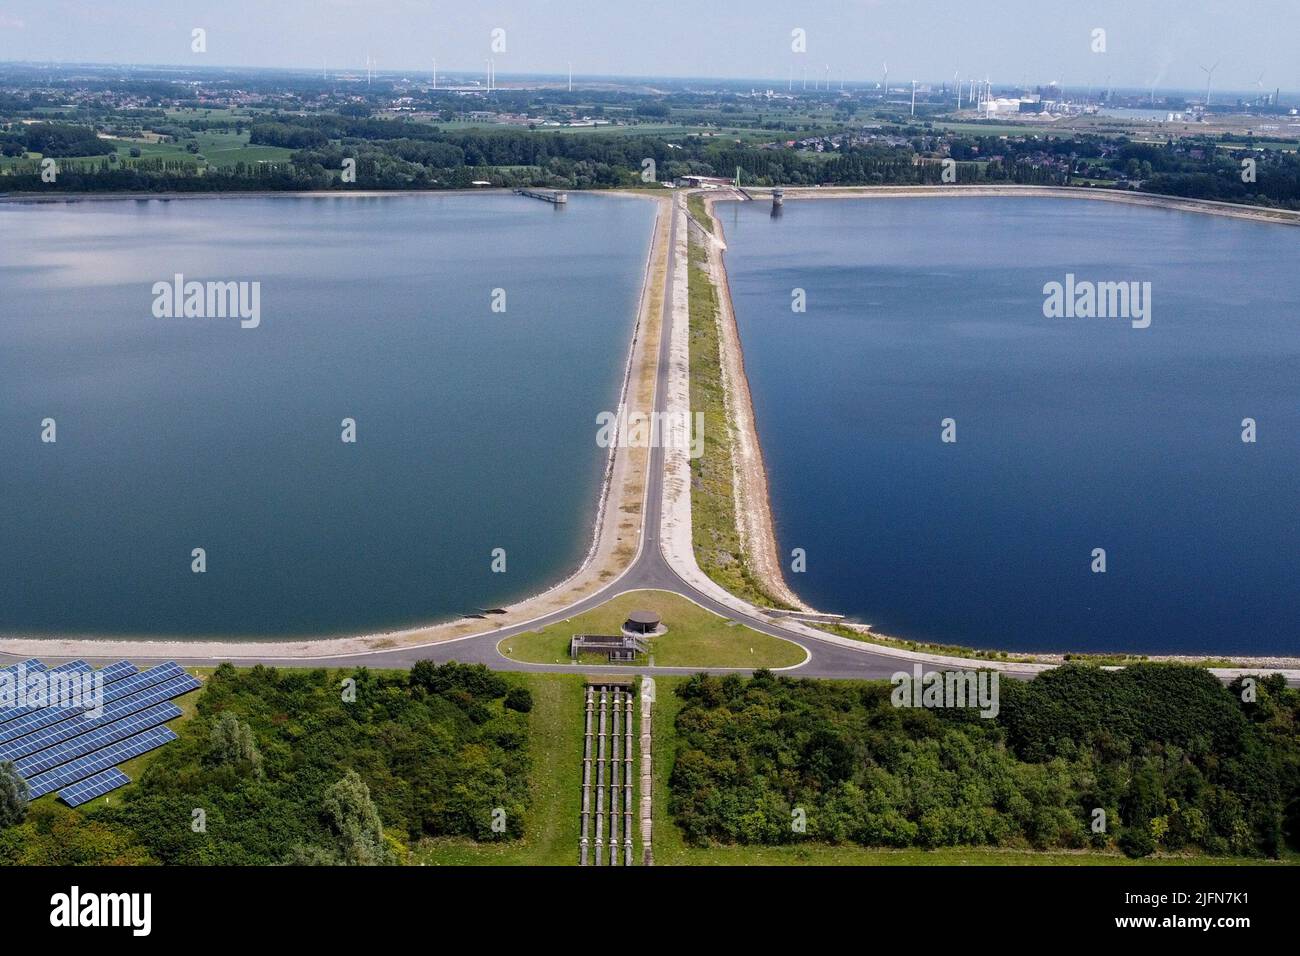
(94, 786)
(114, 687)
(65, 723)
(152, 739)
(14, 713)
(75, 749)
(32, 665)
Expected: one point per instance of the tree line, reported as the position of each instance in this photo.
(405, 154)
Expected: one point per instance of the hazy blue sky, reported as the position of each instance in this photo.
(1010, 40)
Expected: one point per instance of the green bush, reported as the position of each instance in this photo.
(520, 699)
(13, 795)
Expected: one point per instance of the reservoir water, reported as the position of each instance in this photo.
(1072, 434)
(475, 426)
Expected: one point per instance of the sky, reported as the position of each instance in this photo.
(1146, 42)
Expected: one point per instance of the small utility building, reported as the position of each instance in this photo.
(641, 622)
(616, 647)
(620, 648)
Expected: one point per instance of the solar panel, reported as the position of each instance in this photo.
(78, 724)
(84, 767)
(153, 675)
(94, 740)
(92, 787)
(13, 713)
(137, 682)
(29, 665)
(115, 672)
(125, 687)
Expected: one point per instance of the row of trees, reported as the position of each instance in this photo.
(1276, 180)
(1150, 757)
(402, 154)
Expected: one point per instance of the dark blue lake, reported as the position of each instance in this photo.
(475, 429)
(1072, 433)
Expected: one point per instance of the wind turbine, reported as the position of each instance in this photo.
(914, 97)
(435, 72)
(885, 84)
(570, 76)
(1260, 83)
(1209, 77)
(958, 87)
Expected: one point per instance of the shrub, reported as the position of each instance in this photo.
(520, 699)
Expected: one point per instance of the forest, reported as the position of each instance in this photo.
(53, 139)
(1154, 757)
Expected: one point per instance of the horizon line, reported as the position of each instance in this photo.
(562, 77)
